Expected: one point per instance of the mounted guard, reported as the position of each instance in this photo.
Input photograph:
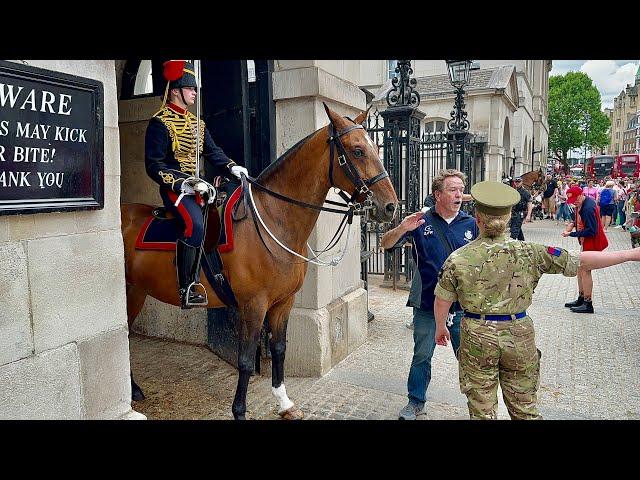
(174, 141)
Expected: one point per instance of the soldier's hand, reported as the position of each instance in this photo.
(413, 221)
(442, 336)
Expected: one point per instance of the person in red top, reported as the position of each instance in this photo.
(591, 236)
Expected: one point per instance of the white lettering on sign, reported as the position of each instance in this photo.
(14, 179)
(31, 100)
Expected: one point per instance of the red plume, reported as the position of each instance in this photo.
(173, 69)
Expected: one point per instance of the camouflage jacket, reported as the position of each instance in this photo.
(498, 275)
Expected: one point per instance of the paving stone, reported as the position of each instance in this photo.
(589, 367)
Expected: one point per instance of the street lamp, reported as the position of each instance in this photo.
(587, 120)
(458, 125)
(513, 165)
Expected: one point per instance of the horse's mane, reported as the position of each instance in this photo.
(274, 167)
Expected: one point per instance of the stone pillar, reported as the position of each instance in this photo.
(64, 350)
(329, 318)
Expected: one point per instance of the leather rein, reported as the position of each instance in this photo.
(362, 186)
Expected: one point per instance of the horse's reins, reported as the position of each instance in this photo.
(361, 187)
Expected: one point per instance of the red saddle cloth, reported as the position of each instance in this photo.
(162, 233)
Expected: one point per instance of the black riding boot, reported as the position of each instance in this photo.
(576, 303)
(586, 307)
(187, 263)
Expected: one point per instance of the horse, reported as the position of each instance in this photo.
(265, 277)
(533, 180)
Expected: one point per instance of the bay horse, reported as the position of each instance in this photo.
(265, 277)
(533, 180)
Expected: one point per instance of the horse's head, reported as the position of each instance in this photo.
(357, 166)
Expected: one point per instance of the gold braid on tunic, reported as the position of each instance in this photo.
(182, 131)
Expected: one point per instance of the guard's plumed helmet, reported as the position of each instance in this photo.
(179, 74)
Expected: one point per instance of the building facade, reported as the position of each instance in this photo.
(625, 108)
(506, 101)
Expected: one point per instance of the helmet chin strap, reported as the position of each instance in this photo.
(183, 100)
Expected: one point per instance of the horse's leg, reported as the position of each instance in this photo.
(278, 317)
(250, 320)
(135, 301)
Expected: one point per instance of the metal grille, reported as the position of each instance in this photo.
(424, 163)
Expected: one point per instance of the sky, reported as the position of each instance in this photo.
(609, 76)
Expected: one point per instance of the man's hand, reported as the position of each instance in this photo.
(206, 191)
(238, 169)
(527, 219)
(565, 233)
(442, 336)
(413, 221)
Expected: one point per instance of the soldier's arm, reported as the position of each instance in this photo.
(410, 223)
(445, 296)
(556, 260)
(215, 157)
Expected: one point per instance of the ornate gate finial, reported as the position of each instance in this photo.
(404, 93)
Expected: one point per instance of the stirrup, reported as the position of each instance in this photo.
(190, 292)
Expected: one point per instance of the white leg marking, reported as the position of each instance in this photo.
(281, 395)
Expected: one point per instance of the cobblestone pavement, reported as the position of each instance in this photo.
(590, 364)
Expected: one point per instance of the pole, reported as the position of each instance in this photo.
(198, 83)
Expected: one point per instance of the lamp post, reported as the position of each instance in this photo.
(587, 120)
(458, 125)
(512, 172)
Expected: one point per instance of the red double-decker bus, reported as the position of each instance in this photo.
(598, 167)
(626, 165)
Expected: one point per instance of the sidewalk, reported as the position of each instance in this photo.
(590, 363)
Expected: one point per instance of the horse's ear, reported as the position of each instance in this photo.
(363, 116)
(337, 121)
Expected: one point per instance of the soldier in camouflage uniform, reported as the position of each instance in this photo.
(493, 279)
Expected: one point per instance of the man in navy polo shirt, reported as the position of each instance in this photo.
(435, 234)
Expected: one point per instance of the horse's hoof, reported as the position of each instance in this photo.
(137, 395)
(293, 413)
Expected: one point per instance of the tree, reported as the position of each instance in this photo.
(571, 97)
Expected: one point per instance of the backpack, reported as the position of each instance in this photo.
(606, 196)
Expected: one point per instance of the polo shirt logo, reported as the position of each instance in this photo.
(428, 230)
(468, 236)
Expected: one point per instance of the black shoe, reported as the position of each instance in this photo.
(586, 307)
(577, 303)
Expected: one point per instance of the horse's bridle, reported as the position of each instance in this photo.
(361, 186)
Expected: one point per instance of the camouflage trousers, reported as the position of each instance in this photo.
(504, 352)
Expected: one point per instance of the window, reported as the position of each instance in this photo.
(251, 70)
(435, 126)
(391, 68)
(144, 79)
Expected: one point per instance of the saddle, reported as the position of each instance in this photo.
(162, 229)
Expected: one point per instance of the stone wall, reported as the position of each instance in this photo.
(64, 350)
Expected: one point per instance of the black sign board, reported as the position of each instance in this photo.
(51, 141)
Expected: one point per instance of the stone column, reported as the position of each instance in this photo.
(329, 318)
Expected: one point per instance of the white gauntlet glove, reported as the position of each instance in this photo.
(237, 170)
(206, 191)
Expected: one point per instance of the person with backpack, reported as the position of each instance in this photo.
(607, 203)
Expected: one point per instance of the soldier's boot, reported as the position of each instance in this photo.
(586, 307)
(186, 259)
(576, 303)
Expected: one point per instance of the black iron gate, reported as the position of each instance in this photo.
(434, 155)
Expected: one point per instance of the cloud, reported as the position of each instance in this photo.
(609, 76)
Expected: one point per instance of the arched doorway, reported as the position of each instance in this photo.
(506, 146)
(238, 109)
